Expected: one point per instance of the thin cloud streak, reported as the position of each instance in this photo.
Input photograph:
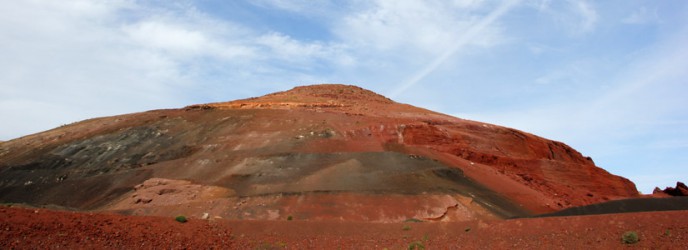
(588, 16)
(462, 41)
(625, 128)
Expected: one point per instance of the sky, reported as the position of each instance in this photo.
(609, 78)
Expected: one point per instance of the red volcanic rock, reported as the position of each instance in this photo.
(679, 190)
(317, 152)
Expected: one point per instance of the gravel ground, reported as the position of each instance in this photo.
(23, 228)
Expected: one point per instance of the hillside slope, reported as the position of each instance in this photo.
(321, 152)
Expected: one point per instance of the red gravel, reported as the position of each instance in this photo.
(37, 228)
(29, 228)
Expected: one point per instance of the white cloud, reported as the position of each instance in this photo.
(23, 109)
(429, 27)
(629, 101)
(468, 4)
(303, 7)
(577, 17)
(161, 35)
(642, 16)
(469, 36)
(588, 15)
(289, 49)
(68, 60)
(541, 5)
(171, 38)
(634, 127)
(88, 58)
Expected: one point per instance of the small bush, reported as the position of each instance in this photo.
(406, 228)
(468, 229)
(416, 245)
(181, 219)
(630, 237)
(290, 218)
(413, 220)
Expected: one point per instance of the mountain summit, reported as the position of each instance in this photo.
(332, 97)
(321, 152)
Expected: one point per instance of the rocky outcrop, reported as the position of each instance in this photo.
(679, 190)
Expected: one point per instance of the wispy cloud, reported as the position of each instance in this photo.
(467, 36)
(408, 25)
(83, 58)
(568, 70)
(577, 17)
(628, 100)
(289, 49)
(588, 15)
(303, 7)
(177, 40)
(640, 111)
(642, 15)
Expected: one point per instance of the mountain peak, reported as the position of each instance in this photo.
(334, 97)
(339, 92)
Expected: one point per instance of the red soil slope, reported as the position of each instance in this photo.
(509, 161)
(315, 152)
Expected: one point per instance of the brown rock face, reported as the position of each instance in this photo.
(679, 190)
(322, 152)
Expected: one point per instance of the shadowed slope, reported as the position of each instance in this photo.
(626, 206)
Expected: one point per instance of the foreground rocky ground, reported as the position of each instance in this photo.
(24, 228)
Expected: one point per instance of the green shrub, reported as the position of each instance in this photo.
(181, 219)
(290, 218)
(630, 237)
(416, 245)
(413, 220)
(406, 228)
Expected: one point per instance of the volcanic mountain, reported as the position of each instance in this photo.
(320, 152)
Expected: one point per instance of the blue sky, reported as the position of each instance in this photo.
(608, 78)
